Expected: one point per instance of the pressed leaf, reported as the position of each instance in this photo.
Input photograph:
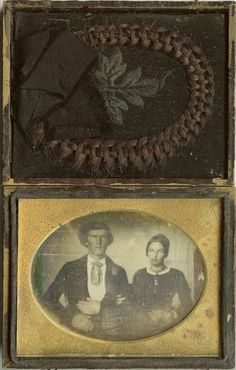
(107, 67)
(164, 78)
(115, 102)
(118, 72)
(113, 62)
(101, 78)
(130, 78)
(115, 115)
(109, 107)
(146, 91)
(133, 98)
(100, 63)
(147, 82)
(115, 59)
(129, 85)
(104, 64)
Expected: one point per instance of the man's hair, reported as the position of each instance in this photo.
(161, 239)
(94, 225)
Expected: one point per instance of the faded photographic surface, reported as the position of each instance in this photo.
(118, 275)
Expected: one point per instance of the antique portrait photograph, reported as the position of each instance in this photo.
(118, 127)
(118, 122)
(118, 275)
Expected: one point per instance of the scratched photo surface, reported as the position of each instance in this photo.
(118, 275)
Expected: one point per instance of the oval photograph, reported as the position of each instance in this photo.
(120, 275)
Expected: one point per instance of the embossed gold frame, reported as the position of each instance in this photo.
(206, 215)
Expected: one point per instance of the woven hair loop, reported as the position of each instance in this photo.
(106, 155)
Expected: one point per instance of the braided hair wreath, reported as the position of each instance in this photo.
(105, 155)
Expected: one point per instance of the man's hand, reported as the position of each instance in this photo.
(161, 316)
(120, 299)
(82, 322)
(89, 307)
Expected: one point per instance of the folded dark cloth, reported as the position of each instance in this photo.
(51, 65)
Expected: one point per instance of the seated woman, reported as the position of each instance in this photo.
(155, 288)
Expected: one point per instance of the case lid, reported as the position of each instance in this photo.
(118, 91)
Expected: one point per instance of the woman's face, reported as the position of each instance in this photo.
(156, 253)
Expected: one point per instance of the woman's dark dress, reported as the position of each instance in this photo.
(156, 293)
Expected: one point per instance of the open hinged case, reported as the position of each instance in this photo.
(118, 136)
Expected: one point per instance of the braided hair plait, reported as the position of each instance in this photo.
(142, 153)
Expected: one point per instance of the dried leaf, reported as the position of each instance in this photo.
(103, 63)
(147, 82)
(146, 87)
(100, 64)
(115, 102)
(101, 78)
(164, 78)
(133, 98)
(109, 65)
(118, 72)
(129, 85)
(130, 78)
(113, 62)
(115, 59)
(146, 91)
(112, 110)
(115, 115)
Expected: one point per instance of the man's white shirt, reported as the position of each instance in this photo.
(96, 293)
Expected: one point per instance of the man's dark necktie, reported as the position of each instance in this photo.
(96, 273)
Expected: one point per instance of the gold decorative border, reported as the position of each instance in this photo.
(197, 335)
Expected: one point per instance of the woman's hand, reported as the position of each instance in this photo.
(82, 322)
(89, 307)
(161, 316)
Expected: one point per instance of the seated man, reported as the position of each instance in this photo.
(94, 287)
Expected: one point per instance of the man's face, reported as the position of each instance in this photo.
(98, 241)
(156, 253)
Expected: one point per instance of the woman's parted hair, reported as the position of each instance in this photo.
(161, 239)
(94, 225)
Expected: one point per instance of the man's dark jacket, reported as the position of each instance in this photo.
(72, 282)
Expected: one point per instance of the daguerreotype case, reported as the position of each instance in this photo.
(118, 165)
